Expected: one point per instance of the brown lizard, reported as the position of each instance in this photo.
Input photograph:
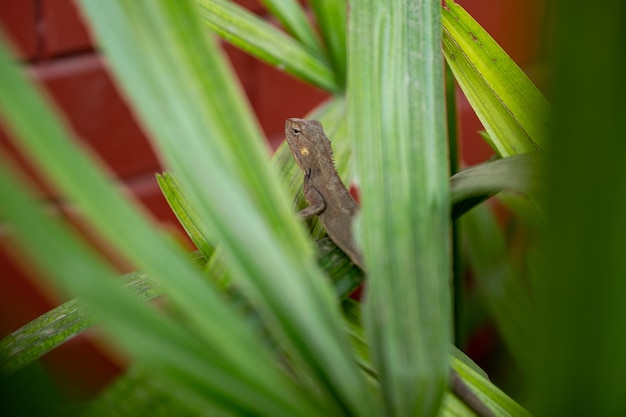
(329, 199)
(324, 191)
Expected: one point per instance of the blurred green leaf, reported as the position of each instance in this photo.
(16, 395)
(40, 336)
(58, 325)
(475, 184)
(295, 22)
(498, 401)
(578, 286)
(332, 21)
(515, 173)
(498, 282)
(257, 37)
(473, 376)
(507, 103)
(396, 112)
(139, 392)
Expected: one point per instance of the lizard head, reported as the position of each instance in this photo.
(307, 141)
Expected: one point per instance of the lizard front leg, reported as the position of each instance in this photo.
(316, 204)
(316, 201)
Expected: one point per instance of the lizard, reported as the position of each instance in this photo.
(326, 195)
(329, 199)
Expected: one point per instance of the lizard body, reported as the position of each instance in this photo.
(330, 200)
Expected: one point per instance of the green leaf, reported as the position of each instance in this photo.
(138, 393)
(197, 231)
(257, 37)
(332, 22)
(295, 22)
(507, 103)
(33, 392)
(162, 59)
(578, 286)
(40, 336)
(472, 375)
(58, 325)
(396, 112)
(498, 401)
(475, 184)
(498, 282)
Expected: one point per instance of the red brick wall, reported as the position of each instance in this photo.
(53, 42)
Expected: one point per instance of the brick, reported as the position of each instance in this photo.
(86, 95)
(243, 65)
(18, 21)
(473, 147)
(80, 367)
(254, 6)
(63, 28)
(22, 299)
(86, 231)
(146, 191)
(146, 194)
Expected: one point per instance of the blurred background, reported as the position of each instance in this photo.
(53, 43)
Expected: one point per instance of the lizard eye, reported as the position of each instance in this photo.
(295, 130)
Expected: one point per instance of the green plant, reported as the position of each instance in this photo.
(261, 333)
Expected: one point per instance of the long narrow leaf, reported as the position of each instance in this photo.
(471, 373)
(475, 184)
(182, 89)
(257, 37)
(136, 394)
(579, 286)
(58, 325)
(516, 173)
(197, 231)
(498, 401)
(498, 282)
(294, 20)
(397, 116)
(507, 103)
(31, 341)
(332, 20)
